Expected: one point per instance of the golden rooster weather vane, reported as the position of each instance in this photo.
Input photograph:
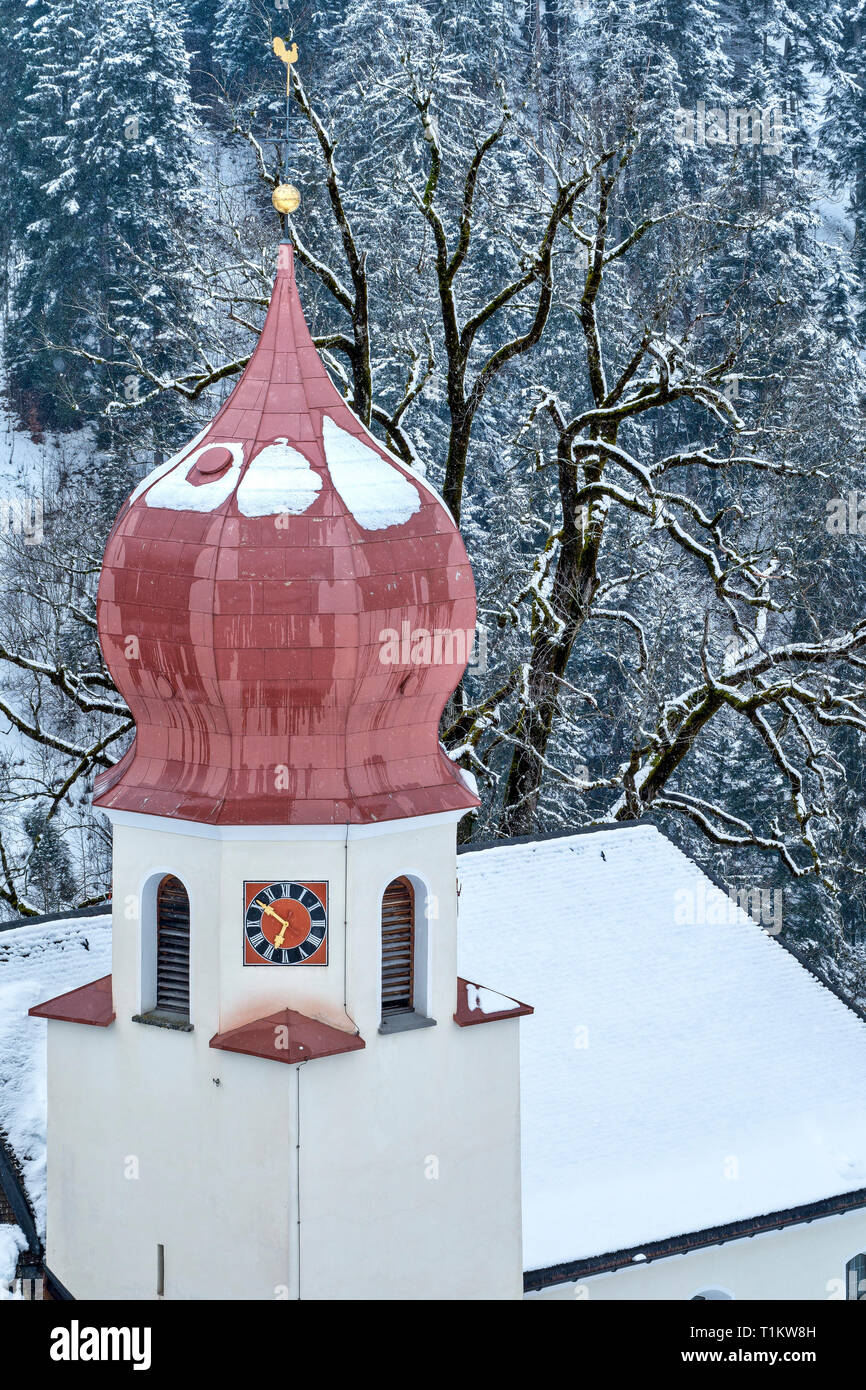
(287, 56)
(285, 197)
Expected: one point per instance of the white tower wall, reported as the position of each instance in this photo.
(390, 1172)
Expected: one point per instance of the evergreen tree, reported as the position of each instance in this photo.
(117, 192)
(201, 21)
(50, 42)
(21, 61)
(843, 136)
(49, 865)
(242, 36)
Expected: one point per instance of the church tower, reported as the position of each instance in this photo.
(279, 1092)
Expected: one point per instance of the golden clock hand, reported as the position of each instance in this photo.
(281, 935)
(271, 912)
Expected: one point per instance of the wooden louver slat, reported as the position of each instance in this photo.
(398, 948)
(172, 947)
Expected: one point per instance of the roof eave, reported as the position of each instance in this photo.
(638, 1255)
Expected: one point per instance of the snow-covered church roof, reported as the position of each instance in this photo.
(681, 1071)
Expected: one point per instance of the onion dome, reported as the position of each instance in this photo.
(286, 609)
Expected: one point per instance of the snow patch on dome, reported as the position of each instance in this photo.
(169, 464)
(278, 480)
(176, 494)
(415, 469)
(376, 493)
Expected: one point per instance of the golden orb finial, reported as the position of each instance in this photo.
(286, 198)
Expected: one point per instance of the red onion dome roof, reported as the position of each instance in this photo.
(286, 610)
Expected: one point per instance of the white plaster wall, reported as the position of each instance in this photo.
(409, 1150)
(805, 1262)
(420, 1193)
(144, 1149)
(224, 992)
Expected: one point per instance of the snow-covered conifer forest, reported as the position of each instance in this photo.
(597, 269)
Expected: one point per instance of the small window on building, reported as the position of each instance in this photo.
(172, 948)
(398, 949)
(855, 1278)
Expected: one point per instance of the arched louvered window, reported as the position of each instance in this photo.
(172, 947)
(855, 1282)
(398, 948)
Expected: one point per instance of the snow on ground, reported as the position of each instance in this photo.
(37, 963)
(22, 462)
(31, 467)
(12, 1242)
(677, 1074)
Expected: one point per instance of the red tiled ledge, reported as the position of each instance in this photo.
(287, 1036)
(90, 1004)
(475, 1004)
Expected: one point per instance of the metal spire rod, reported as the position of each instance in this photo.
(289, 56)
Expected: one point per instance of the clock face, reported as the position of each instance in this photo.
(285, 923)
